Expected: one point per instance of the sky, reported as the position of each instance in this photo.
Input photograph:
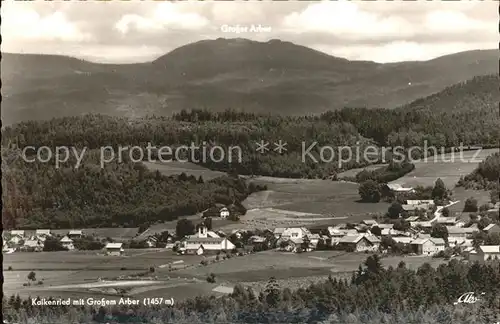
(133, 31)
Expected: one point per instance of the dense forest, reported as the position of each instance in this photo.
(373, 295)
(465, 113)
(123, 194)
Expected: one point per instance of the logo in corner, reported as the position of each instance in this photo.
(468, 298)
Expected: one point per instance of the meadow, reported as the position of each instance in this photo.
(176, 168)
(449, 167)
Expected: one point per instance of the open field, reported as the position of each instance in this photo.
(461, 194)
(353, 172)
(263, 265)
(449, 167)
(74, 274)
(176, 168)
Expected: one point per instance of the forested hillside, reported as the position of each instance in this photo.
(124, 194)
(463, 114)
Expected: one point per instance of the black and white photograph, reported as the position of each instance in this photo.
(233, 162)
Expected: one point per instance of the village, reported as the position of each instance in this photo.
(422, 228)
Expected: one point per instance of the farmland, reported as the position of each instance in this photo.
(176, 168)
(449, 167)
(74, 274)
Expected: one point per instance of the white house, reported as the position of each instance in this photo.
(224, 212)
(19, 233)
(202, 242)
(449, 221)
(67, 243)
(75, 234)
(33, 245)
(420, 202)
(428, 246)
(15, 240)
(369, 222)
(397, 188)
(485, 253)
(294, 233)
(42, 232)
(115, 249)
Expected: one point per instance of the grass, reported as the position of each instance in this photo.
(426, 173)
(353, 172)
(176, 168)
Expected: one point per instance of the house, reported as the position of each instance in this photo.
(420, 202)
(426, 225)
(75, 234)
(357, 243)
(278, 231)
(202, 242)
(32, 246)
(256, 239)
(449, 221)
(67, 243)
(369, 222)
(484, 253)
(217, 211)
(402, 239)
(115, 249)
(19, 233)
(397, 188)
(375, 241)
(15, 240)
(42, 232)
(428, 246)
(492, 228)
(224, 212)
(458, 232)
(314, 240)
(295, 233)
(416, 210)
(238, 233)
(288, 245)
(412, 218)
(151, 241)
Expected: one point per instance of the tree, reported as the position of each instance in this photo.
(32, 276)
(53, 244)
(207, 222)
(184, 227)
(395, 209)
(445, 212)
(142, 228)
(484, 207)
(373, 264)
(439, 231)
(402, 225)
(369, 191)
(470, 205)
(376, 230)
(439, 190)
(272, 292)
(494, 196)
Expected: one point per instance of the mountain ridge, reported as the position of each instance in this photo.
(274, 76)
